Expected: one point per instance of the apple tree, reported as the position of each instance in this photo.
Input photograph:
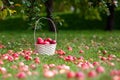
(30, 8)
(92, 9)
(6, 9)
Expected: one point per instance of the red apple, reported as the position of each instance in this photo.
(33, 66)
(60, 52)
(28, 57)
(103, 58)
(69, 58)
(70, 74)
(114, 72)
(46, 66)
(109, 58)
(40, 40)
(80, 75)
(92, 74)
(104, 52)
(46, 42)
(48, 39)
(84, 66)
(53, 42)
(37, 60)
(21, 75)
(81, 51)
(49, 74)
(52, 65)
(96, 63)
(100, 69)
(117, 77)
(69, 48)
(10, 58)
(15, 55)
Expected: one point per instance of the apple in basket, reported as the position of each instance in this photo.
(53, 42)
(40, 40)
(45, 41)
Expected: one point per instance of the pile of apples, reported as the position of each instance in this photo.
(45, 41)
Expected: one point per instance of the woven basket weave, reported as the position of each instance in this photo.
(45, 49)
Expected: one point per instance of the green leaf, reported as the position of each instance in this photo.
(3, 14)
(1, 4)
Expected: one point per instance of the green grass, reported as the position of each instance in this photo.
(96, 40)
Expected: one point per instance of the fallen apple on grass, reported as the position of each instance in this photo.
(21, 75)
(83, 68)
(70, 74)
(92, 74)
(100, 69)
(48, 74)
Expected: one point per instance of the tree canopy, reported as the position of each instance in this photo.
(88, 9)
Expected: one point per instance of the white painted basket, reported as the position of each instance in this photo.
(45, 49)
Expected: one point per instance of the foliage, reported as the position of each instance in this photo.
(3, 12)
(31, 9)
(89, 9)
(6, 10)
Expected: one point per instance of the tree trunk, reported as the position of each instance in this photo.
(49, 9)
(110, 18)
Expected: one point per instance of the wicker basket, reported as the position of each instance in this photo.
(45, 49)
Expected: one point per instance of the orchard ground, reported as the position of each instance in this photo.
(77, 52)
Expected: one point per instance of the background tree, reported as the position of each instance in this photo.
(49, 10)
(88, 9)
(92, 9)
(110, 19)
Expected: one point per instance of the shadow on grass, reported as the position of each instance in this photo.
(13, 24)
(72, 22)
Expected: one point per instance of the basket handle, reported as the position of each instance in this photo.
(36, 23)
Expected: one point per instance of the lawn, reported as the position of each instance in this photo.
(84, 47)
